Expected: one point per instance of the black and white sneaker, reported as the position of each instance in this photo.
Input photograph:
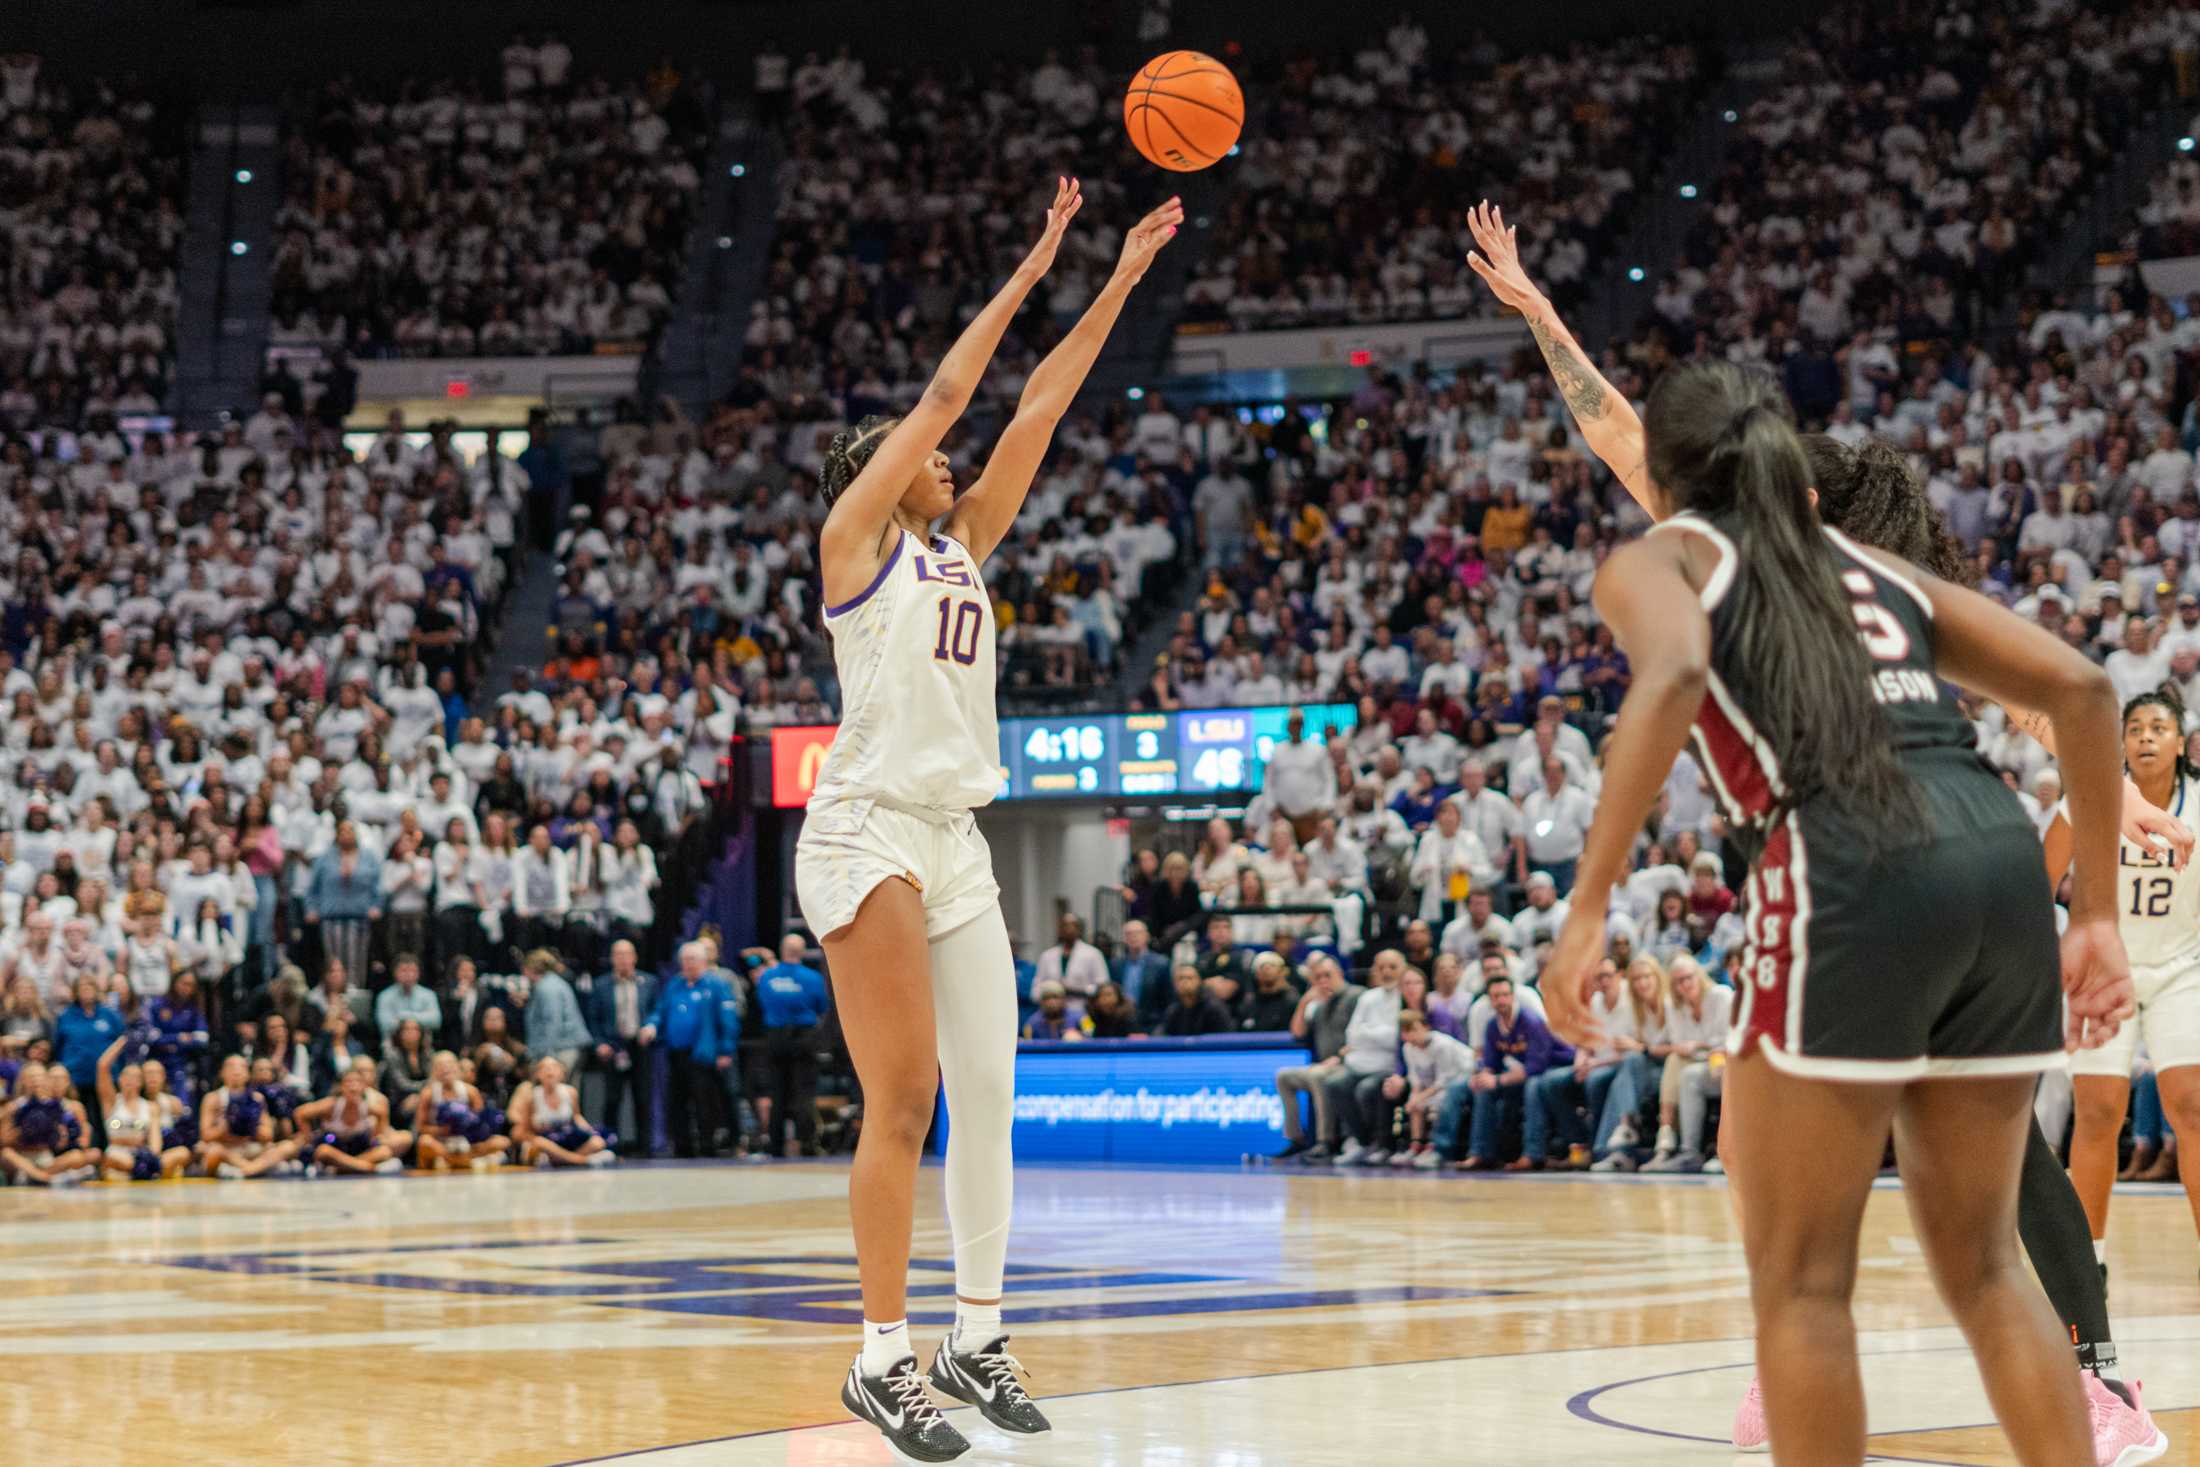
(896, 1404)
(989, 1379)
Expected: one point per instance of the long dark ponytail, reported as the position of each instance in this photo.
(1720, 441)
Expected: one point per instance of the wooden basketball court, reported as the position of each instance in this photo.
(1195, 1318)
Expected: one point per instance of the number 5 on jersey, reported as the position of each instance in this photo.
(960, 621)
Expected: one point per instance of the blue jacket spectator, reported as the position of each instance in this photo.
(791, 996)
(82, 1033)
(696, 1015)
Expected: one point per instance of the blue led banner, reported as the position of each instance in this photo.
(1157, 1102)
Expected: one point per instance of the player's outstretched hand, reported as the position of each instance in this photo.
(1146, 238)
(1498, 261)
(2151, 828)
(1570, 974)
(2096, 979)
(1067, 201)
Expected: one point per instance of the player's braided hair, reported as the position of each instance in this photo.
(2171, 701)
(850, 450)
(1869, 494)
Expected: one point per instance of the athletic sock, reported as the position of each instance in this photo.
(883, 1344)
(2100, 1251)
(975, 1325)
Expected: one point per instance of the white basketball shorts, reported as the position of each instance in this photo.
(848, 847)
(2168, 1020)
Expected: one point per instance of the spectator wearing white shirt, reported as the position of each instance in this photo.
(1697, 1017)
(1542, 919)
(1074, 963)
(2136, 666)
(1301, 779)
(542, 893)
(1428, 746)
(1336, 858)
(1386, 661)
(1494, 819)
(1450, 862)
(1467, 934)
(1436, 1064)
(1556, 817)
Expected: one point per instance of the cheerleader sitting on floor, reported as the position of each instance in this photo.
(138, 1148)
(548, 1124)
(42, 1132)
(353, 1127)
(455, 1126)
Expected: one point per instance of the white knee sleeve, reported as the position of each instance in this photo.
(974, 1007)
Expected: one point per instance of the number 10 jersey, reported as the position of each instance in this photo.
(915, 654)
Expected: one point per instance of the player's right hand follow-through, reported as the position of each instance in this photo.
(2096, 979)
(1068, 198)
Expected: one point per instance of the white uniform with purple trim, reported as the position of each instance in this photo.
(2158, 916)
(918, 747)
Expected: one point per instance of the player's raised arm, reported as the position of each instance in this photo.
(850, 546)
(983, 515)
(1608, 421)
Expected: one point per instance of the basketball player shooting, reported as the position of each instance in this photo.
(890, 868)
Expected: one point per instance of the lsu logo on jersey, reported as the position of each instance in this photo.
(945, 571)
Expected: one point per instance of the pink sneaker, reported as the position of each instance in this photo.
(1749, 1421)
(2123, 1436)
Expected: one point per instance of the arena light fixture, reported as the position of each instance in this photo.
(244, 175)
(1634, 273)
(239, 247)
(725, 241)
(738, 170)
(1688, 191)
(1136, 394)
(1731, 115)
(2184, 144)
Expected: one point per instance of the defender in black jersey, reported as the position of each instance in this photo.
(1976, 988)
(1900, 963)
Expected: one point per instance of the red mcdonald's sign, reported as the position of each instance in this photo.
(797, 755)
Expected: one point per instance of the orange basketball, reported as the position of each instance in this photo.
(1183, 110)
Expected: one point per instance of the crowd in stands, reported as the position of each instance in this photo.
(907, 196)
(1904, 170)
(1427, 558)
(1348, 201)
(91, 197)
(546, 217)
(256, 806)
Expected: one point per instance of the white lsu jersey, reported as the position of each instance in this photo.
(915, 653)
(2158, 906)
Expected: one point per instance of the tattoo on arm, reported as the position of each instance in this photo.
(2035, 724)
(1583, 390)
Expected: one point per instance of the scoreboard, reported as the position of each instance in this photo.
(1195, 752)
